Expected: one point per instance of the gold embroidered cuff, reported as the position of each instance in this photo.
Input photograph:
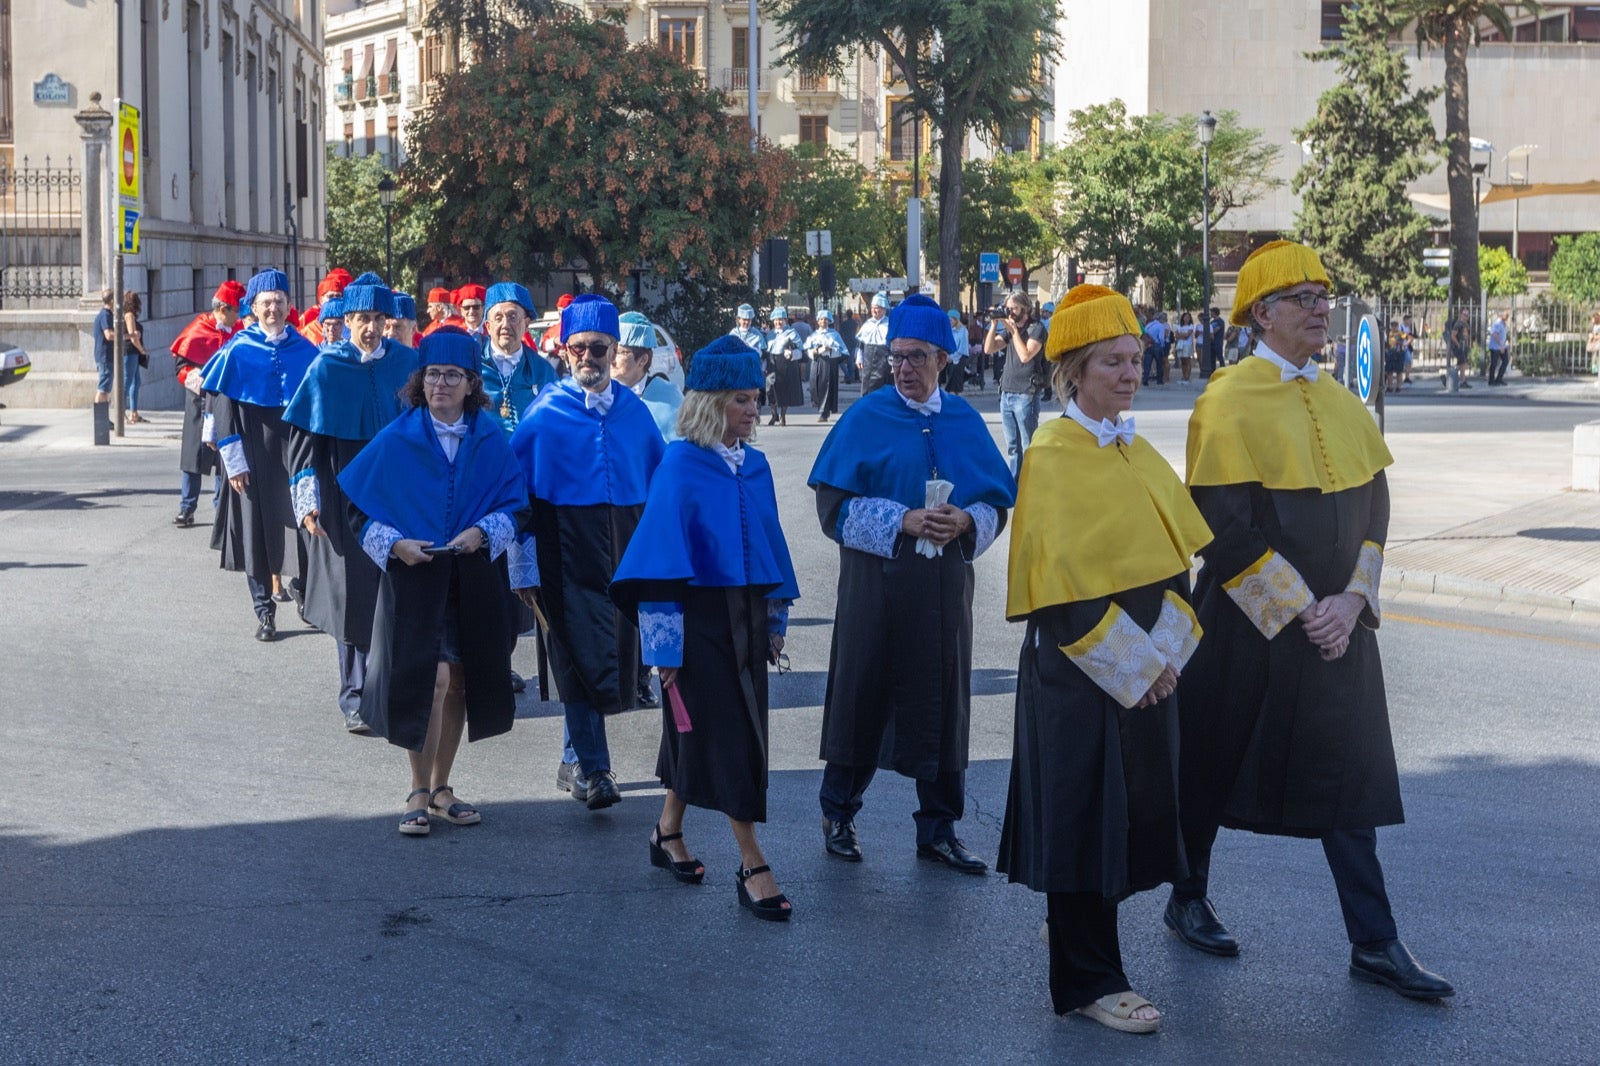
(1118, 656)
(1368, 575)
(1177, 631)
(1270, 592)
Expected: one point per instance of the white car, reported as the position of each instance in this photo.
(14, 364)
(667, 358)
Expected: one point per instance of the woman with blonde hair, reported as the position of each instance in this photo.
(1100, 550)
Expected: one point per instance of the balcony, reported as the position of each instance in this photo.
(344, 92)
(815, 88)
(736, 80)
(390, 83)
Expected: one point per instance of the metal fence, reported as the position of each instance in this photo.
(41, 258)
(1548, 337)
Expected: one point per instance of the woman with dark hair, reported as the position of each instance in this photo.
(708, 571)
(134, 356)
(436, 490)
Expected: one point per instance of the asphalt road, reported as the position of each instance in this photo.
(200, 866)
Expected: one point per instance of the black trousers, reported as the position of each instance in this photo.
(352, 676)
(261, 598)
(1352, 856)
(1499, 363)
(943, 799)
(1085, 954)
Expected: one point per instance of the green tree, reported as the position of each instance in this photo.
(1501, 275)
(1454, 26)
(1007, 206)
(973, 65)
(1575, 268)
(1370, 139)
(355, 221)
(861, 209)
(573, 150)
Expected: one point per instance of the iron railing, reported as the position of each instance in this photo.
(737, 80)
(1548, 337)
(41, 218)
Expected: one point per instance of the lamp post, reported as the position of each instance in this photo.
(1520, 178)
(1205, 128)
(386, 189)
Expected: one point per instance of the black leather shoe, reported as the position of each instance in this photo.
(354, 725)
(646, 696)
(1196, 923)
(840, 840)
(1393, 965)
(954, 854)
(602, 791)
(517, 683)
(184, 520)
(267, 630)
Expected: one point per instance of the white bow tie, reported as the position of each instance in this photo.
(458, 430)
(732, 456)
(600, 401)
(1309, 372)
(1112, 432)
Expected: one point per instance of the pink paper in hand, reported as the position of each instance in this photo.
(680, 713)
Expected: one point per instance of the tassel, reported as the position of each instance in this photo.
(680, 713)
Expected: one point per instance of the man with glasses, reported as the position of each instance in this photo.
(1022, 378)
(910, 484)
(588, 448)
(1285, 726)
(471, 301)
(513, 374)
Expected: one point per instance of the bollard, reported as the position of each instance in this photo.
(102, 422)
(1452, 377)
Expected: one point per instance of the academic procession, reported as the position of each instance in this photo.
(1197, 653)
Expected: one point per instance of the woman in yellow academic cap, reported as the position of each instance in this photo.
(1100, 553)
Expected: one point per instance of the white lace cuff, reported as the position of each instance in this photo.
(778, 617)
(304, 493)
(378, 540)
(208, 429)
(985, 524)
(1177, 632)
(499, 532)
(522, 561)
(661, 633)
(1270, 592)
(232, 451)
(1119, 657)
(871, 524)
(1368, 575)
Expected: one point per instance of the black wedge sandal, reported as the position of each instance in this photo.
(689, 872)
(773, 908)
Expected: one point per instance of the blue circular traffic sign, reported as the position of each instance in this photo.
(1366, 344)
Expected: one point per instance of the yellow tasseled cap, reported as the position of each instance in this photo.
(1275, 265)
(1089, 313)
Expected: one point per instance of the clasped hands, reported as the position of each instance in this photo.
(1330, 621)
(410, 551)
(938, 525)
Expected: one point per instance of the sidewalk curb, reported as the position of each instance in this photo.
(1466, 588)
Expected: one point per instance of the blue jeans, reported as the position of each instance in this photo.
(1019, 417)
(130, 379)
(189, 491)
(1155, 366)
(586, 738)
(102, 366)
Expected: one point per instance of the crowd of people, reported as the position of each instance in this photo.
(429, 504)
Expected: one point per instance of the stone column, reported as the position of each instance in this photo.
(95, 198)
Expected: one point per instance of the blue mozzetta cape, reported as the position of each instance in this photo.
(402, 478)
(572, 457)
(249, 370)
(530, 378)
(664, 400)
(880, 447)
(343, 397)
(710, 527)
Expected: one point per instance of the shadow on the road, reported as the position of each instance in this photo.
(11, 434)
(7, 565)
(48, 500)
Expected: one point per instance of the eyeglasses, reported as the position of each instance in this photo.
(594, 350)
(449, 377)
(1306, 300)
(916, 357)
(472, 307)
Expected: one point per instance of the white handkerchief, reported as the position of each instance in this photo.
(935, 494)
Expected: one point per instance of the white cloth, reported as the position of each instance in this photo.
(506, 364)
(931, 406)
(372, 356)
(733, 456)
(450, 435)
(274, 338)
(1105, 431)
(598, 401)
(873, 331)
(1288, 370)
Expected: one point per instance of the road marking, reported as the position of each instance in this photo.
(1466, 627)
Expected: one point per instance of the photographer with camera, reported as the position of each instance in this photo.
(1020, 337)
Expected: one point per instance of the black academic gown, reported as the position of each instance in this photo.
(901, 661)
(255, 528)
(1297, 746)
(341, 587)
(194, 455)
(1093, 800)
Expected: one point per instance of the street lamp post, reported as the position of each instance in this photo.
(1519, 178)
(386, 189)
(1205, 128)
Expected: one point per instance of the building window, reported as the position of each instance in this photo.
(366, 80)
(678, 37)
(372, 137)
(814, 131)
(1019, 137)
(394, 142)
(741, 47)
(349, 140)
(1333, 19)
(6, 117)
(432, 57)
(903, 146)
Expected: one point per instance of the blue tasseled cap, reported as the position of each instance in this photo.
(332, 307)
(269, 280)
(590, 313)
(509, 292)
(745, 311)
(449, 346)
(724, 364)
(880, 299)
(405, 306)
(919, 318)
(369, 293)
(637, 332)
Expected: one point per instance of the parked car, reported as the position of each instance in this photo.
(14, 363)
(667, 358)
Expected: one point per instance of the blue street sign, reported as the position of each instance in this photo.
(1366, 346)
(989, 267)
